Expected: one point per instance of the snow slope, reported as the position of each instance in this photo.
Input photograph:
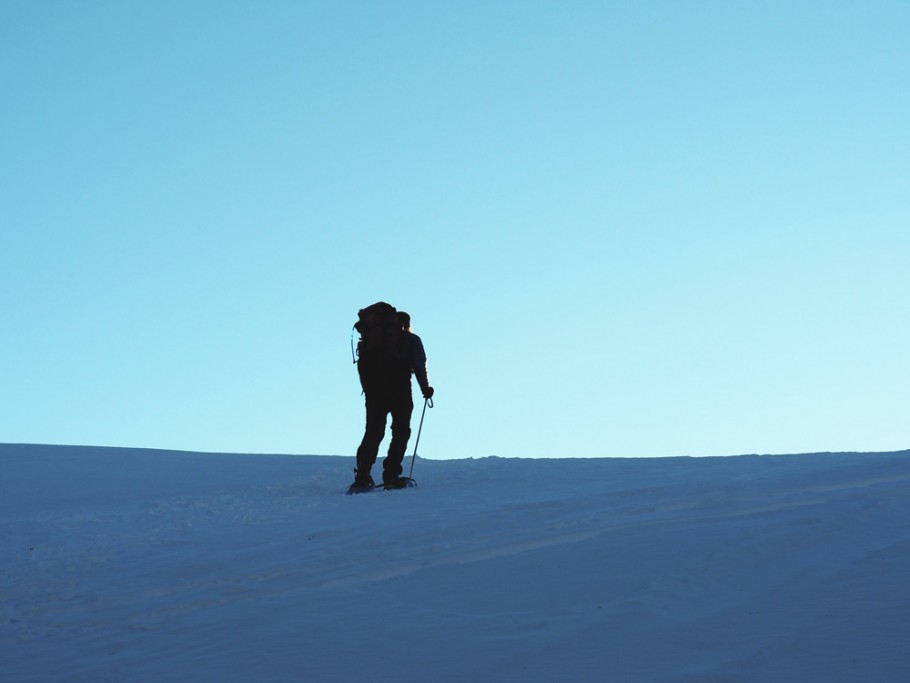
(134, 565)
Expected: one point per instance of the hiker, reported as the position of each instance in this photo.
(385, 375)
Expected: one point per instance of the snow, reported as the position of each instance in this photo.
(137, 565)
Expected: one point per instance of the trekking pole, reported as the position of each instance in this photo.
(426, 402)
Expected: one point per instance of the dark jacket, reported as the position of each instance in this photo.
(390, 375)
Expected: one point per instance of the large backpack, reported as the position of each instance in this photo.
(380, 352)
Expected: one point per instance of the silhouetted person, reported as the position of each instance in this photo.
(385, 375)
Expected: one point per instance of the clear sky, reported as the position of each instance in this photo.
(621, 228)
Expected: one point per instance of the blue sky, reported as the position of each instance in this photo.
(622, 229)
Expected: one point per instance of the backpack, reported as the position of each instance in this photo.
(381, 345)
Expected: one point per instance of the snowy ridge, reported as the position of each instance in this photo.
(136, 565)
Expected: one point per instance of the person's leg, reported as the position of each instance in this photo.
(401, 432)
(372, 437)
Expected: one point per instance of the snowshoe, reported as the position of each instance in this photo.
(361, 485)
(398, 483)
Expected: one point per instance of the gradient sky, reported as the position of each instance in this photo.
(621, 228)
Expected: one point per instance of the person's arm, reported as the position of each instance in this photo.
(419, 366)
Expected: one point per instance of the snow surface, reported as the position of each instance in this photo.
(136, 565)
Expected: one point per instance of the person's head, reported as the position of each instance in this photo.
(405, 321)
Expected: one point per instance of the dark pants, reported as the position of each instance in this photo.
(379, 407)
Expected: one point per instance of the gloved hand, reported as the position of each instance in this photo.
(428, 394)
